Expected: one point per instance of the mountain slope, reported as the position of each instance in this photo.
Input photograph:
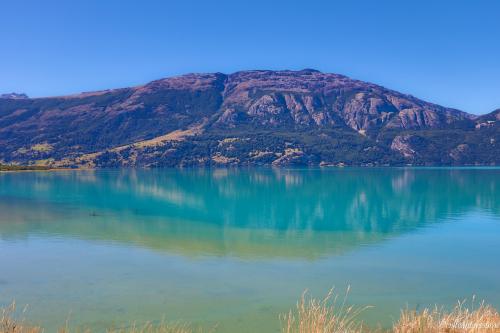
(244, 118)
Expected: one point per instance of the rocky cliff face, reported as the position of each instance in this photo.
(245, 118)
(311, 99)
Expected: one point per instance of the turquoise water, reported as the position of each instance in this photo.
(235, 248)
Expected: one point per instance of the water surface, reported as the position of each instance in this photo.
(237, 247)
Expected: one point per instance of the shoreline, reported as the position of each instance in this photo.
(331, 314)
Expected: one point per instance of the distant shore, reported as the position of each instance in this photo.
(14, 168)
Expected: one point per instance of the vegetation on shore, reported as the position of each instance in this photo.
(331, 316)
(4, 167)
(328, 315)
(462, 318)
(10, 324)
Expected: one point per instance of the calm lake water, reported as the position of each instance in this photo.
(238, 247)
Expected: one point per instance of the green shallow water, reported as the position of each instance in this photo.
(234, 248)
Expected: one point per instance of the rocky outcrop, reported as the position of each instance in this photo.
(402, 145)
(310, 98)
(460, 152)
(291, 156)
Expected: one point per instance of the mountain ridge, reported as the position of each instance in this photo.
(259, 117)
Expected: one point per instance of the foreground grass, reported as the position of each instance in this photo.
(462, 318)
(328, 315)
(319, 316)
(10, 325)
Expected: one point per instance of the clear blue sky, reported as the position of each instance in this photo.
(447, 52)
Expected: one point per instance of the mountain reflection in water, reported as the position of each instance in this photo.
(306, 213)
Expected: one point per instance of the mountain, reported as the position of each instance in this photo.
(14, 96)
(279, 118)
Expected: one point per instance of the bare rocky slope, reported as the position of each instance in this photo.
(277, 118)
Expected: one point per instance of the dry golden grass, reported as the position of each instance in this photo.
(42, 147)
(480, 319)
(10, 325)
(328, 315)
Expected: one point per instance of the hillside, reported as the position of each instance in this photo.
(279, 118)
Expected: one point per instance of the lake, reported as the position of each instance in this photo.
(237, 247)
